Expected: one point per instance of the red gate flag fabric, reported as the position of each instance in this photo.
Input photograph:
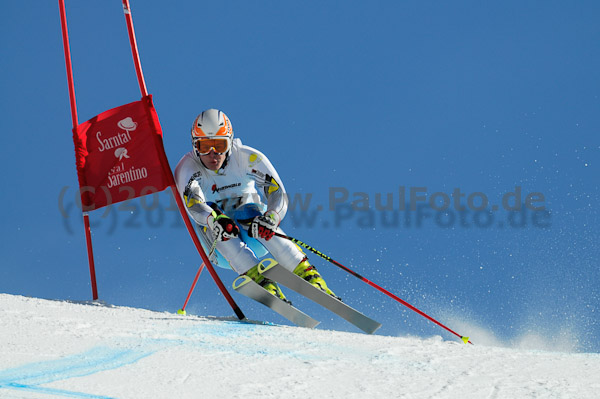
(118, 155)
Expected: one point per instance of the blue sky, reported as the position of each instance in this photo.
(361, 97)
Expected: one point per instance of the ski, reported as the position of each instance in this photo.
(246, 286)
(271, 269)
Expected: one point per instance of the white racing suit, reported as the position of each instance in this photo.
(247, 185)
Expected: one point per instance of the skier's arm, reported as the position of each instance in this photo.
(192, 195)
(222, 226)
(267, 180)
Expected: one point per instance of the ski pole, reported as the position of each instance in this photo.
(210, 254)
(372, 284)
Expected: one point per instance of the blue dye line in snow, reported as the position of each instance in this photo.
(55, 392)
(29, 377)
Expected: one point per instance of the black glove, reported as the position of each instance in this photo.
(224, 228)
(264, 226)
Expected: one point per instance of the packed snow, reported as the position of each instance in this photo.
(58, 349)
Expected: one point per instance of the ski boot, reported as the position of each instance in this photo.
(309, 273)
(269, 285)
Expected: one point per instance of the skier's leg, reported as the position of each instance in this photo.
(243, 261)
(290, 256)
(237, 253)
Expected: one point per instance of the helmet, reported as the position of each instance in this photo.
(212, 124)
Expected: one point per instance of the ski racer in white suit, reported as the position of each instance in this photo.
(235, 195)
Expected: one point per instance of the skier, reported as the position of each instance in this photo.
(235, 195)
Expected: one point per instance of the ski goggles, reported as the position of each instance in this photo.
(204, 146)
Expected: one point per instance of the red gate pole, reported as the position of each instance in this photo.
(134, 48)
(86, 219)
(167, 168)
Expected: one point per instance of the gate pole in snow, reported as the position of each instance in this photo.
(157, 142)
(86, 219)
(169, 174)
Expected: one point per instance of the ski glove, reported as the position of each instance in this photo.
(224, 228)
(264, 226)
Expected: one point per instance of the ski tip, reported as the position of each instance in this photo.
(181, 312)
(465, 340)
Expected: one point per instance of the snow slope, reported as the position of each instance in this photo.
(55, 349)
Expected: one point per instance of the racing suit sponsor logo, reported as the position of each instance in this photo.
(257, 173)
(216, 189)
(254, 159)
(271, 184)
